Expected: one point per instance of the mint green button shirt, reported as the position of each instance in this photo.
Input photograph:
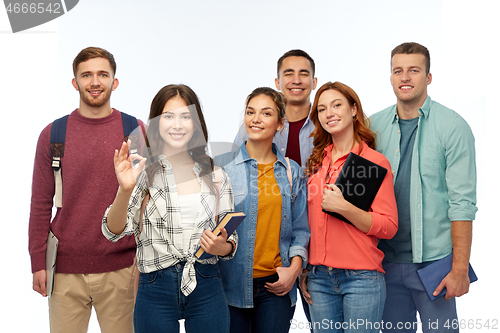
(443, 174)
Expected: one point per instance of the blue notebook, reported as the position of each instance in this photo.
(432, 275)
(230, 222)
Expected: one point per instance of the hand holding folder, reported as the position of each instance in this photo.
(359, 181)
(432, 275)
(50, 261)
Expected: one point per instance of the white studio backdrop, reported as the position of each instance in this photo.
(223, 50)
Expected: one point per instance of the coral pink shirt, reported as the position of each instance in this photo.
(335, 243)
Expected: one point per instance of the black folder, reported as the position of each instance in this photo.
(359, 180)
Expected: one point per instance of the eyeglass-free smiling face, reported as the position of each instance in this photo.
(296, 80)
(409, 79)
(334, 113)
(176, 126)
(95, 81)
(261, 118)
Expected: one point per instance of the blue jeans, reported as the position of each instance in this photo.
(160, 303)
(270, 313)
(345, 300)
(406, 295)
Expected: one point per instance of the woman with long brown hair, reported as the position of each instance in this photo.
(344, 283)
(183, 196)
(261, 280)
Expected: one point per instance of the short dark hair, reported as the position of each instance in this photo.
(93, 52)
(296, 53)
(413, 48)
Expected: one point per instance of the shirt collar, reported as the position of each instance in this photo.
(166, 163)
(424, 110)
(243, 154)
(308, 118)
(327, 157)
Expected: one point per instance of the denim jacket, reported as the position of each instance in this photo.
(281, 139)
(237, 274)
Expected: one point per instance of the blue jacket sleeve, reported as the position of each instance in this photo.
(300, 224)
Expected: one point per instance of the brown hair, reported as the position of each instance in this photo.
(413, 48)
(323, 139)
(277, 97)
(296, 53)
(197, 146)
(93, 52)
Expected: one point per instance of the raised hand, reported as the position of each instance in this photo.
(126, 171)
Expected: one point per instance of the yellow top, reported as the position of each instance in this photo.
(267, 234)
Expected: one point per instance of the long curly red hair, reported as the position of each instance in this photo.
(323, 139)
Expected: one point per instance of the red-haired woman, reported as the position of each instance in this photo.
(345, 285)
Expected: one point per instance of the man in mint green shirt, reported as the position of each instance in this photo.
(432, 154)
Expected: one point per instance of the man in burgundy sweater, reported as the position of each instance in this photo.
(90, 271)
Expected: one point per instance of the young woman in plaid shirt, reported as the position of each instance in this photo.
(183, 196)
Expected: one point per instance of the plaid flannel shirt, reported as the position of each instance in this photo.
(160, 244)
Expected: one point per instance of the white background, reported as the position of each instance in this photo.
(223, 50)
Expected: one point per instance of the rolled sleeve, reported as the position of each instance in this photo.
(384, 209)
(106, 232)
(461, 171)
(133, 212)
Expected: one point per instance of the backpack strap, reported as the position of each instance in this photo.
(130, 123)
(57, 139)
(289, 173)
(218, 184)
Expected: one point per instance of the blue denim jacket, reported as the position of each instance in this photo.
(281, 139)
(237, 273)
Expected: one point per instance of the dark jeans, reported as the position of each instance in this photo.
(160, 303)
(406, 295)
(270, 313)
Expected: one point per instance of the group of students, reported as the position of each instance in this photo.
(170, 194)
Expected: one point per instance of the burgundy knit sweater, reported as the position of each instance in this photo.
(89, 187)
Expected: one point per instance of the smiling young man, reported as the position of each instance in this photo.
(296, 81)
(90, 271)
(432, 154)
